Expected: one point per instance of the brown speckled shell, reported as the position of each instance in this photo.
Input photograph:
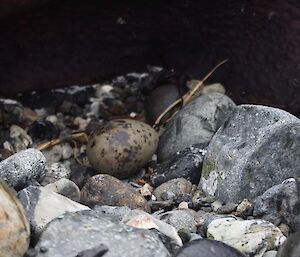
(121, 147)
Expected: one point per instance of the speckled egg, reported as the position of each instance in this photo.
(121, 147)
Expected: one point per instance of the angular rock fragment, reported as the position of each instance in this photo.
(184, 164)
(196, 123)
(43, 205)
(248, 236)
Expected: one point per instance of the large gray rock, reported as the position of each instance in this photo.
(74, 233)
(255, 149)
(20, 169)
(196, 123)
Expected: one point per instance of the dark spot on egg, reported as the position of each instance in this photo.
(93, 143)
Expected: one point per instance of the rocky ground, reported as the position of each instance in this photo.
(84, 175)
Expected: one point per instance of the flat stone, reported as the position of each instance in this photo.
(196, 123)
(20, 169)
(104, 189)
(43, 205)
(88, 229)
(257, 148)
(279, 204)
(184, 164)
(207, 248)
(248, 236)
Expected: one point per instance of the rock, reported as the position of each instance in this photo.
(66, 188)
(104, 189)
(212, 88)
(15, 230)
(43, 130)
(19, 138)
(97, 251)
(115, 212)
(196, 123)
(143, 220)
(159, 99)
(21, 168)
(88, 229)
(255, 149)
(207, 248)
(291, 247)
(67, 151)
(43, 205)
(279, 204)
(146, 191)
(248, 236)
(55, 172)
(180, 219)
(11, 112)
(270, 254)
(172, 189)
(184, 164)
(54, 154)
(80, 173)
(244, 209)
(226, 208)
(121, 147)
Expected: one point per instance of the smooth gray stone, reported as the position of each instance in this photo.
(279, 204)
(74, 233)
(20, 169)
(196, 123)
(207, 248)
(66, 188)
(257, 148)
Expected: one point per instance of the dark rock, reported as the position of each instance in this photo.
(43, 130)
(88, 229)
(80, 173)
(20, 169)
(107, 190)
(291, 247)
(159, 99)
(162, 205)
(172, 189)
(97, 251)
(196, 123)
(258, 147)
(11, 112)
(184, 164)
(207, 248)
(279, 204)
